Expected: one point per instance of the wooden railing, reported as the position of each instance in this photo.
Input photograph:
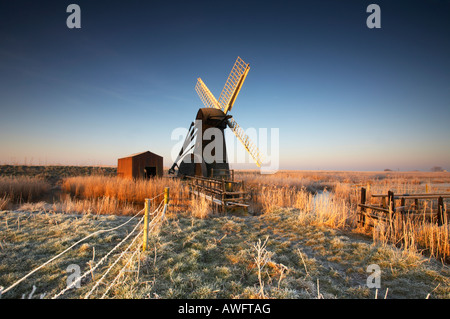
(223, 194)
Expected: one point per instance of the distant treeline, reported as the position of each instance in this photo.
(54, 174)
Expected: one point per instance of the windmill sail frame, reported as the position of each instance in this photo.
(233, 85)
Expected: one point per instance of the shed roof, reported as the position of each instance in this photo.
(141, 153)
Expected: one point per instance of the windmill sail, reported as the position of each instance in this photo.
(245, 140)
(205, 95)
(233, 85)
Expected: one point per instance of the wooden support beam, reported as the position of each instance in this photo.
(380, 209)
(376, 217)
(233, 199)
(235, 193)
(413, 196)
(238, 204)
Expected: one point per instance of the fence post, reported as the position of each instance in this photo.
(403, 205)
(440, 211)
(166, 195)
(391, 203)
(145, 238)
(363, 209)
(223, 196)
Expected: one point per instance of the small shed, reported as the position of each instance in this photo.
(140, 165)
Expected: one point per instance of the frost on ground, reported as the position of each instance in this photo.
(267, 256)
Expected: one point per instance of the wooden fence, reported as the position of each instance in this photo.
(410, 206)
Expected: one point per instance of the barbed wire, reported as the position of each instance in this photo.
(156, 196)
(159, 206)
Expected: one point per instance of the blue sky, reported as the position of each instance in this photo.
(344, 97)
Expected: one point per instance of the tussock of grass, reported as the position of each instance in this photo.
(200, 207)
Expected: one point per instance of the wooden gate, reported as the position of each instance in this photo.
(411, 206)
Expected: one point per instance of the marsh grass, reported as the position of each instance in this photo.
(95, 206)
(318, 209)
(415, 236)
(54, 173)
(315, 181)
(4, 202)
(126, 190)
(22, 188)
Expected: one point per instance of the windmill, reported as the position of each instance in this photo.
(215, 115)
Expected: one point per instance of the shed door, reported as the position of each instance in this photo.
(149, 171)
